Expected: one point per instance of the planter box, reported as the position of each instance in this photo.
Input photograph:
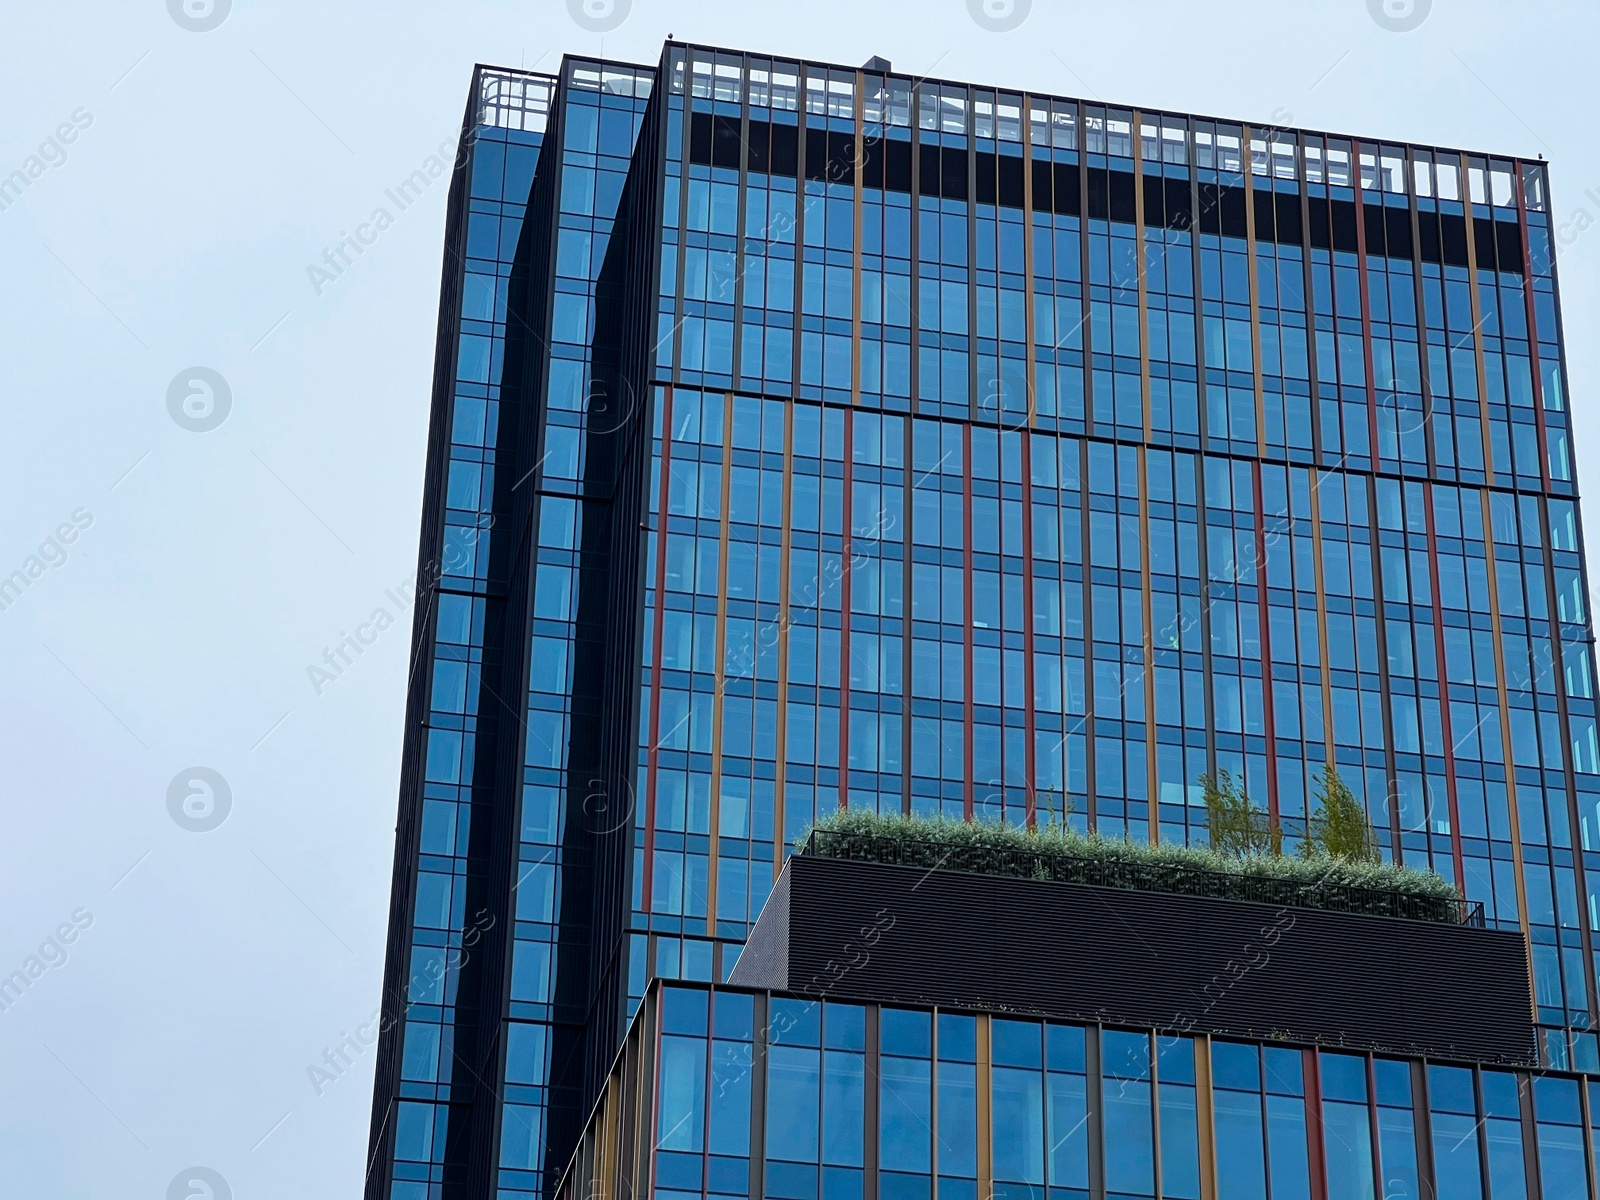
(895, 934)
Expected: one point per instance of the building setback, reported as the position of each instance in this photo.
(806, 436)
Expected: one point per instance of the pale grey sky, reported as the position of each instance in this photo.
(208, 569)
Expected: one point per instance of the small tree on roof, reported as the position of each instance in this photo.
(1339, 828)
(1236, 825)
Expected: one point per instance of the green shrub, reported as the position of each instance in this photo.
(1059, 853)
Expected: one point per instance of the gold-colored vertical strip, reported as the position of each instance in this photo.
(1255, 293)
(1140, 237)
(1505, 715)
(985, 1115)
(1148, 641)
(1314, 474)
(721, 660)
(783, 639)
(1207, 1121)
(1482, 388)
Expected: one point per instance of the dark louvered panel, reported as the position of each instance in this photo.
(901, 934)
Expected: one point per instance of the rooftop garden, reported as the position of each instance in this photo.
(1336, 866)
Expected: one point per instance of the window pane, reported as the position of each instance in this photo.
(1128, 1141)
(1069, 1131)
(958, 1115)
(1018, 1124)
(903, 1110)
(1347, 1133)
(792, 1103)
(842, 1119)
(683, 1094)
(1241, 1158)
(1455, 1155)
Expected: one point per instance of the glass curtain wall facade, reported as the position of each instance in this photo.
(818, 436)
(726, 1093)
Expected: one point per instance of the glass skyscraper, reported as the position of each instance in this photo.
(807, 436)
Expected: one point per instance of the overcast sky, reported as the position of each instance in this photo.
(207, 568)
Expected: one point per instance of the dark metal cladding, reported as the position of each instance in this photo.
(1235, 968)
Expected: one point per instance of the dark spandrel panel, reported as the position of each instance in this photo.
(830, 156)
(725, 142)
(1099, 199)
(700, 127)
(1069, 194)
(953, 174)
(1344, 225)
(1122, 202)
(886, 163)
(928, 170)
(983, 177)
(1043, 186)
(1287, 223)
(1453, 228)
(1232, 968)
(897, 176)
(1397, 232)
(785, 149)
(1508, 244)
(1011, 173)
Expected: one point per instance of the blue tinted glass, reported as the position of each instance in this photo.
(905, 1032)
(729, 1175)
(958, 1038)
(904, 1114)
(1125, 1055)
(681, 1171)
(683, 1011)
(1557, 1100)
(733, 1015)
(1130, 1156)
(1015, 1043)
(455, 618)
(1064, 1047)
(1175, 1059)
(1450, 1090)
(793, 1084)
(795, 1022)
(731, 1067)
(1284, 1070)
(1347, 1141)
(1068, 1114)
(958, 1119)
(1344, 1077)
(1235, 1066)
(1241, 1161)
(1500, 1095)
(1180, 1144)
(844, 1026)
(841, 1183)
(1288, 1157)
(681, 1106)
(1502, 1140)
(791, 1181)
(894, 1186)
(1018, 1124)
(1393, 1081)
(1455, 1153)
(843, 1092)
